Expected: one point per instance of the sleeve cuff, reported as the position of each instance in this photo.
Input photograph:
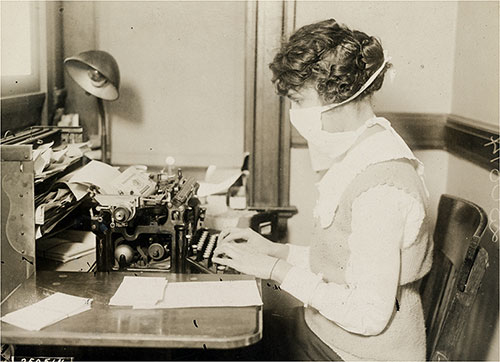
(298, 255)
(301, 284)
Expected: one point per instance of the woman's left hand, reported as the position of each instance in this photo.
(244, 259)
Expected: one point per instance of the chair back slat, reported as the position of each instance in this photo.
(458, 267)
(458, 311)
(436, 296)
(456, 225)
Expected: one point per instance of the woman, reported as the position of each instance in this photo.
(358, 278)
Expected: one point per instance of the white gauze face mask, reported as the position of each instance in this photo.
(325, 147)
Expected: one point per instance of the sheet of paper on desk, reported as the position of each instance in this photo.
(139, 292)
(48, 311)
(229, 293)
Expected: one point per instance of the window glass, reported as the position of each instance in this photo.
(20, 47)
(16, 38)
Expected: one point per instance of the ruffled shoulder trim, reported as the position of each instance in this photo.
(383, 146)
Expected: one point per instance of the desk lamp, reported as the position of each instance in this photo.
(97, 73)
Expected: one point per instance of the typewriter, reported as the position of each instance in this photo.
(160, 229)
(148, 231)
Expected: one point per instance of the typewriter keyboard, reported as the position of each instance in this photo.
(202, 250)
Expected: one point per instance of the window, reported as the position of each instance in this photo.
(20, 39)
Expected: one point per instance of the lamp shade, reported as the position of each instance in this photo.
(97, 72)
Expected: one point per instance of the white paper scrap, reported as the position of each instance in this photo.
(40, 215)
(206, 188)
(48, 311)
(42, 160)
(41, 149)
(57, 156)
(228, 293)
(139, 292)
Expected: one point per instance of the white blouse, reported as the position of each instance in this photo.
(364, 304)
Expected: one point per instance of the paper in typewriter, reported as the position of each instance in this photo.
(229, 293)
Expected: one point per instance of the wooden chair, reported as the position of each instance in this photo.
(459, 263)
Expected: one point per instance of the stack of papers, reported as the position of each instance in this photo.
(51, 208)
(53, 205)
(48, 311)
(68, 245)
(50, 205)
(139, 292)
(50, 160)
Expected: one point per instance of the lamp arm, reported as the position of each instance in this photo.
(104, 132)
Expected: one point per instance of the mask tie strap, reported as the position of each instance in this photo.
(370, 80)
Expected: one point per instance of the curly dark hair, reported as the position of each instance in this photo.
(335, 60)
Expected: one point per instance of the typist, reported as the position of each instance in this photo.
(358, 278)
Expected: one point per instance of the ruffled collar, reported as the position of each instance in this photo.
(382, 146)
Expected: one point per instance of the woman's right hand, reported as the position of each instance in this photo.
(252, 239)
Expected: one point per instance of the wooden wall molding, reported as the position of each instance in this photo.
(472, 141)
(463, 137)
(421, 131)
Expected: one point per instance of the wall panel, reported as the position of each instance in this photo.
(476, 77)
(182, 80)
(420, 37)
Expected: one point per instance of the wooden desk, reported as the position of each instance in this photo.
(224, 327)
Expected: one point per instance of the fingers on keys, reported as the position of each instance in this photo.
(232, 234)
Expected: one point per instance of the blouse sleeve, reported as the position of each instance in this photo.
(384, 220)
(298, 255)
